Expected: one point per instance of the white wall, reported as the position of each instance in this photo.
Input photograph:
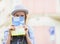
(39, 21)
(58, 6)
(58, 33)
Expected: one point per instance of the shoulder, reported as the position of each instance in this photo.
(31, 33)
(30, 29)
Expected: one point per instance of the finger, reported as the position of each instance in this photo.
(25, 26)
(12, 27)
(26, 29)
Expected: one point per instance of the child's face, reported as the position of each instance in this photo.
(19, 18)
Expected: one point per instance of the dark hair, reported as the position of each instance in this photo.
(25, 17)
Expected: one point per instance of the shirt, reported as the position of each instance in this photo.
(31, 35)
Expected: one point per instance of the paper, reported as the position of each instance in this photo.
(18, 31)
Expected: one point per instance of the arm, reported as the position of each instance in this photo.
(28, 39)
(29, 36)
(9, 35)
(8, 39)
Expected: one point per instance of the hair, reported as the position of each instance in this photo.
(25, 17)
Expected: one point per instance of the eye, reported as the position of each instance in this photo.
(22, 15)
(17, 15)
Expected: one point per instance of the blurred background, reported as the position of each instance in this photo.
(44, 18)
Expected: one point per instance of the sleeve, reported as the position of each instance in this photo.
(31, 35)
(6, 33)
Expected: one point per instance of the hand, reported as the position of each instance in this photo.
(27, 35)
(26, 29)
(12, 27)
